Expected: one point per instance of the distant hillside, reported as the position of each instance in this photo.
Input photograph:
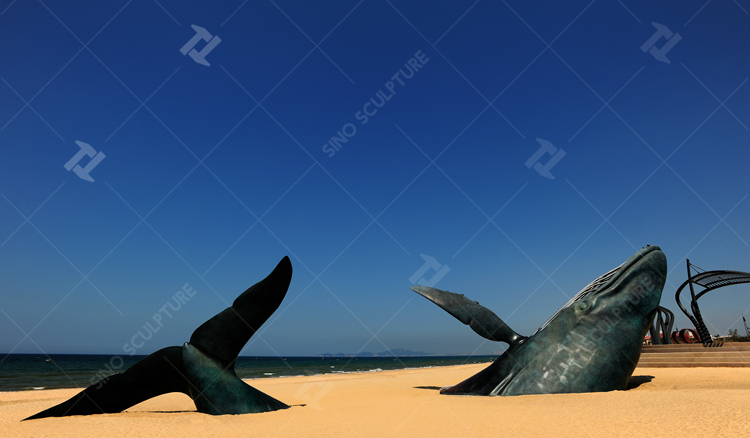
(396, 352)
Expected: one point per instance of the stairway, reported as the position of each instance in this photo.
(729, 354)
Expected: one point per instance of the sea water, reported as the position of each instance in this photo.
(20, 372)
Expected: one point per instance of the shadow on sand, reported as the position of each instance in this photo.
(637, 381)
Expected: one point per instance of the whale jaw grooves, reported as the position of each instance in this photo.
(592, 345)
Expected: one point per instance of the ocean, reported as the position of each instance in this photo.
(22, 372)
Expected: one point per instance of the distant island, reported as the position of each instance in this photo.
(396, 352)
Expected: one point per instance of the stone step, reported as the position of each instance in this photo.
(692, 354)
(692, 364)
(704, 359)
(737, 346)
(729, 354)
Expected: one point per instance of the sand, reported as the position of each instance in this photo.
(662, 402)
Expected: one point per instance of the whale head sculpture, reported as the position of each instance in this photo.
(591, 345)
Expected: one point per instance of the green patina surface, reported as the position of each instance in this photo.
(592, 345)
(218, 391)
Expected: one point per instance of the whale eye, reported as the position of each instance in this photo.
(582, 307)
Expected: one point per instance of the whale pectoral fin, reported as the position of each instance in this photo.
(224, 335)
(216, 390)
(481, 319)
(157, 374)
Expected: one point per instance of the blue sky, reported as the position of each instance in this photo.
(212, 173)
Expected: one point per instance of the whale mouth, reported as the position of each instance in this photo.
(623, 269)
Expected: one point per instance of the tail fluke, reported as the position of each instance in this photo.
(159, 373)
(223, 336)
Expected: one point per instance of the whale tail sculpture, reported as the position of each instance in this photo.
(203, 368)
(592, 344)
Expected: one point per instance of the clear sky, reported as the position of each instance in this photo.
(517, 150)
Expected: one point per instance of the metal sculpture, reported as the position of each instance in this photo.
(592, 344)
(202, 368)
(662, 326)
(709, 280)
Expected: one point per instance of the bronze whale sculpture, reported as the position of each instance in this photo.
(202, 368)
(591, 345)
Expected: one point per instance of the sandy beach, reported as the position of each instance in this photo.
(670, 402)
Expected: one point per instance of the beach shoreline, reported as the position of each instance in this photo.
(675, 401)
(64, 371)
